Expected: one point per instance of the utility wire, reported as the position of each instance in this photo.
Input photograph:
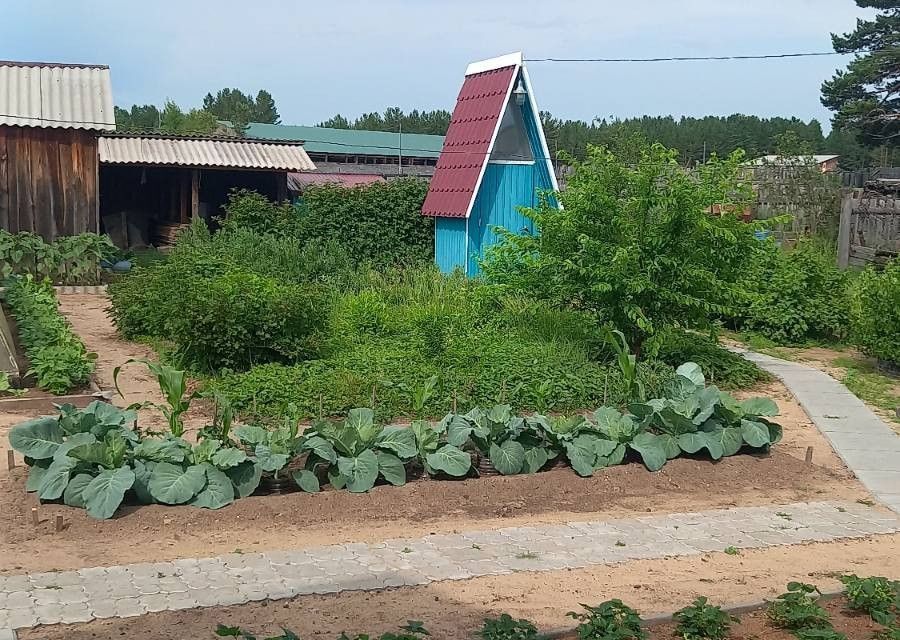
(767, 56)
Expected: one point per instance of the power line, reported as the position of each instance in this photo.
(766, 56)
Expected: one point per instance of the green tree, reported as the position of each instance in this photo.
(636, 245)
(196, 121)
(866, 95)
(242, 108)
(139, 118)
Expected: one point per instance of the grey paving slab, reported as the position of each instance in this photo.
(868, 446)
(133, 590)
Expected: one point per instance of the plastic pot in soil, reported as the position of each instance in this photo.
(485, 467)
(284, 483)
(416, 471)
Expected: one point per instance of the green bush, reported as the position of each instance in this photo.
(57, 356)
(238, 319)
(875, 312)
(797, 296)
(380, 223)
(724, 368)
(252, 211)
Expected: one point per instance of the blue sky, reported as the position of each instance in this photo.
(350, 56)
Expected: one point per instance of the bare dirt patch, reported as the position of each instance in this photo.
(455, 610)
(259, 523)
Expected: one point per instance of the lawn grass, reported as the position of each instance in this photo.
(864, 380)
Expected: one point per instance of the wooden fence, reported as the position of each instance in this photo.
(869, 229)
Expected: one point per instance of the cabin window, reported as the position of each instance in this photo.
(512, 143)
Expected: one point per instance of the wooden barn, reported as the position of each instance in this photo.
(494, 160)
(50, 117)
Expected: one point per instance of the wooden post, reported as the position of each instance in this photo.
(844, 230)
(809, 452)
(35, 519)
(195, 193)
(59, 522)
(184, 189)
(10, 460)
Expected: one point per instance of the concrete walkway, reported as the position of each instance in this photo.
(132, 590)
(869, 447)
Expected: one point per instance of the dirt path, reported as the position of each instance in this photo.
(455, 610)
(88, 316)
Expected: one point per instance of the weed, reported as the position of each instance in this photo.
(703, 621)
(732, 551)
(619, 543)
(841, 510)
(866, 502)
(782, 514)
(475, 546)
(527, 555)
(869, 385)
(819, 633)
(406, 550)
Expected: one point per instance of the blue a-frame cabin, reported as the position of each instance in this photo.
(494, 160)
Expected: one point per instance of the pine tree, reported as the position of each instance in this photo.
(866, 96)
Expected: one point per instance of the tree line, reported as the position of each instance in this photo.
(230, 105)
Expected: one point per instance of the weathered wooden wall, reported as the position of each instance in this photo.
(869, 230)
(48, 181)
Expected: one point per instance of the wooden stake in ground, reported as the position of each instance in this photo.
(373, 396)
(10, 460)
(35, 519)
(59, 522)
(809, 451)
(454, 403)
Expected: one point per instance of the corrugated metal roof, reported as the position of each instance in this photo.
(467, 145)
(235, 153)
(297, 181)
(354, 142)
(54, 95)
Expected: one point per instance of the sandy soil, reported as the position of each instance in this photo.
(455, 610)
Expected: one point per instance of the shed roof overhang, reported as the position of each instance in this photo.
(204, 152)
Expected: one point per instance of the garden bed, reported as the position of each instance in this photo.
(455, 610)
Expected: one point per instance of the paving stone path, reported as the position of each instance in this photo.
(869, 447)
(131, 590)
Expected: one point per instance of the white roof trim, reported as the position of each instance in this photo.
(540, 128)
(512, 82)
(509, 60)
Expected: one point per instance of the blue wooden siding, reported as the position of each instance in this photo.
(504, 188)
(449, 243)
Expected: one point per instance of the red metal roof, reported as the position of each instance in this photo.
(467, 144)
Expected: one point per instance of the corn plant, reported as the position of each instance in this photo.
(173, 384)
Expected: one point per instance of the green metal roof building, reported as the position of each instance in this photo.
(338, 144)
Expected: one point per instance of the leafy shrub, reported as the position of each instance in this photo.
(238, 319)
(611, 620)
(66, 260)
(508, 628)
(703, 621)
(58, 358)
(724, 368)
(249, 210)
(875, 312)
(797, 608)
(380, 223)
(798, 296)
(635, 245)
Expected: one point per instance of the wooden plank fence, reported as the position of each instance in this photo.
(869, 229)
